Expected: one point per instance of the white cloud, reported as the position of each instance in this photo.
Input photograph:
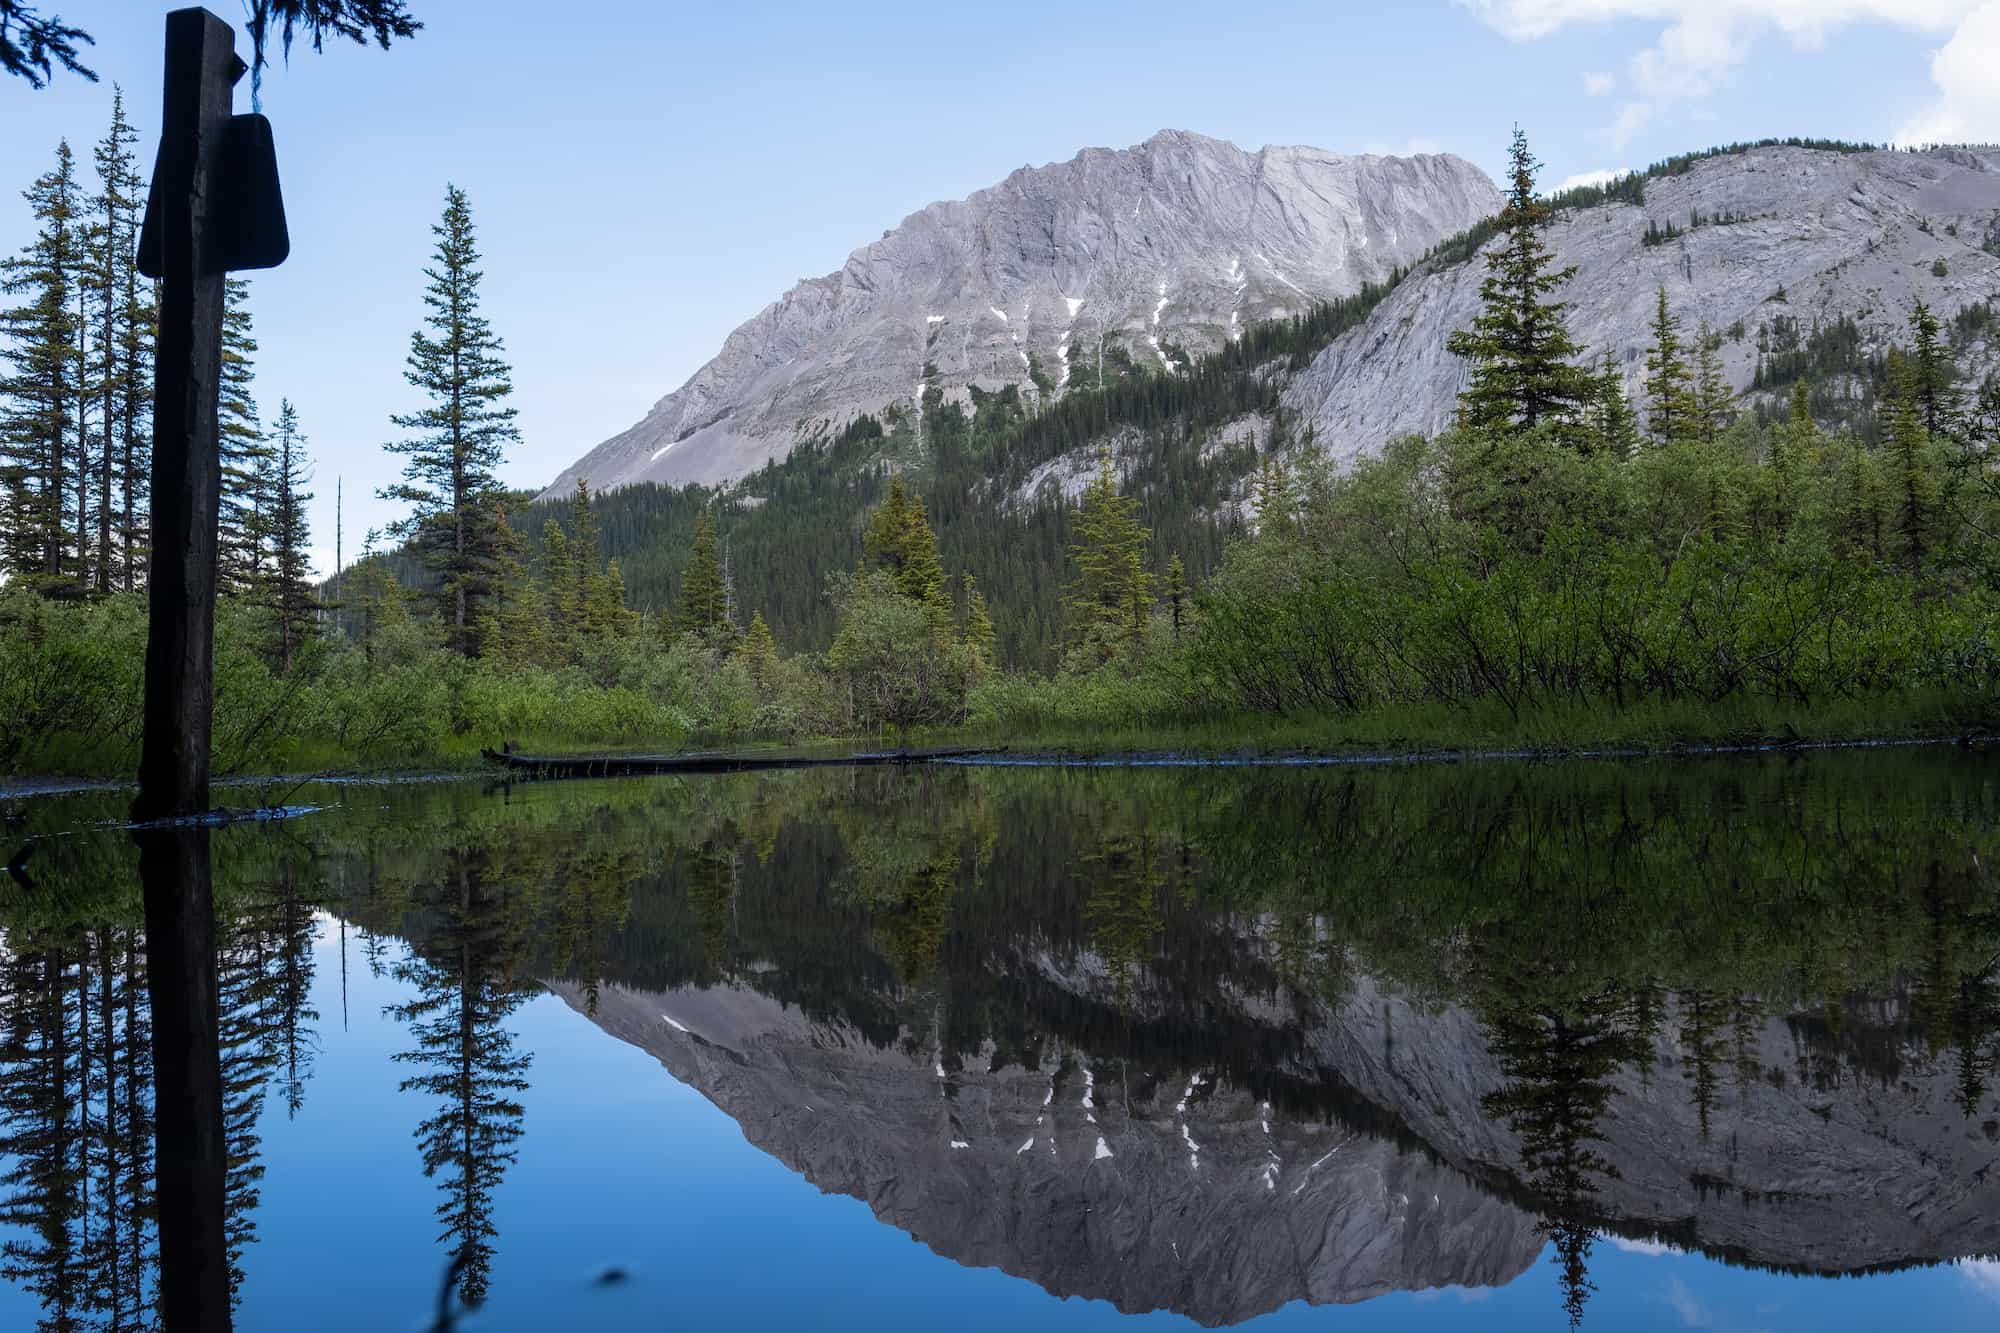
(1598, 84)
(1632, 118)
(1983, 1274)
(1701, 41)
(1465, 1295)
(1647, 1247)
(1583, 178)
(1685, 1304)
(1414, 148)
(1968, 103)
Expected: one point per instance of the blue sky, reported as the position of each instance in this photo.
(647, 181)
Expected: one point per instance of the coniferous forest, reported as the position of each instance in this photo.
(1566, 565)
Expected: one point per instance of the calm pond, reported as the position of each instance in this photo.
(1694, 1044)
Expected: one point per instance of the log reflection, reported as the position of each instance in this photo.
(191, 1148)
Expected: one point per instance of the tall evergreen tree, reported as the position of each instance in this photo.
(900, 541)
(559, 571)
(519, 627)
(288, 590)
(134, 329)
(979, 636)
(585, 594)
(1910, 455)
(921, 577)
(1177, 595)
(887, 530)
(460, 437)
(1524, 370)
(42, 394)
(758, 651)
(122, 322)
(1112, 594)
(242, 529)
(1714, 401)
(1670, 407)
(1861, 526)
(1794, 445)
(704, 603)
(1615, 423)
(1933, 377)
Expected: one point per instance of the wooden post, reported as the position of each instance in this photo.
(201, 68)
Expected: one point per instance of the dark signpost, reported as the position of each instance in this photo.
(214, 206)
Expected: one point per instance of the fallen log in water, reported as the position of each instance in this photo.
(629, 765)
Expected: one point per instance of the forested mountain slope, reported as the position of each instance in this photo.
(1803, 257)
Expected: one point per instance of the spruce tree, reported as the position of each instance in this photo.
(1714, 401)
(612, 616)
(135, 326)
(584, 553)
(41, 393)
(242, 530)
(704, 603)
(1932, 376)
(459, 439)
(288, 588)
(888, 528)
(378, 605)
(1177, 595)
(1861, 519)
(122, 319)
(559, 572)
(1793, 445)
(979, 636)
(1111, 595)
(758, 651)
(1910, 449)
(518, 626)
(1523, 358)
(1670, 405)
(922, 575)
(900, 541)
(1615, 423)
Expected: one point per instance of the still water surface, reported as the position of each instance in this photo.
(1697, 1045)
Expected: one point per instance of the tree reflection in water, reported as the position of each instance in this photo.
(1605, 933)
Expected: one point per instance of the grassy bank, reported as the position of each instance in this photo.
(1406, 731)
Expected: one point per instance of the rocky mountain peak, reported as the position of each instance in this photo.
(1155, 252)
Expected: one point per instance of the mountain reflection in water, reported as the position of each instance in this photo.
(1200, 1041)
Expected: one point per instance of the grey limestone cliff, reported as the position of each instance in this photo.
(1823, 235)
(1174, 245)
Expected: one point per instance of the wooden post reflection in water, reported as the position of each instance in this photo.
(191, 1154)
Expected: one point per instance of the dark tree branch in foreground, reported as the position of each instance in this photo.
(361, 21)
(33, 46)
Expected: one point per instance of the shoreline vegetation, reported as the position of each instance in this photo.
(1410, 738)
(1562, 571)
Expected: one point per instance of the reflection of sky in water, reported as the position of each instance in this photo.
(623, 1166)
